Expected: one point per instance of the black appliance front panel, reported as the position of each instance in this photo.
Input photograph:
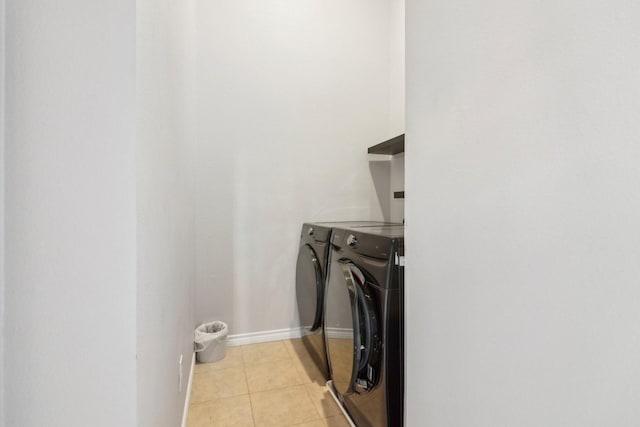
(309, 289)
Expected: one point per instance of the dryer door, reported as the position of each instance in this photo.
(351, 330)
(309, 289)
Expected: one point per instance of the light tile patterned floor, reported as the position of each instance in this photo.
(273, 384)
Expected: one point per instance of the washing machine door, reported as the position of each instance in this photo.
(309, 289)
(351, 330)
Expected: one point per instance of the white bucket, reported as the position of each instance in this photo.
(211, 341)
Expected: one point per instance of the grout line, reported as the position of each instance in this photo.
(272, 361)
(250, 394)
(297, 368)
(314, 405)
(217, 399)
(280, 387)
(277, 388)
(290, 350)
(246, 379)
(246, 345)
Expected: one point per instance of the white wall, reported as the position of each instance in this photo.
(166, 239)
(2, 237)
(290, 95)
(396, 103)
(396, 40)
(70, 213)
(523, 213)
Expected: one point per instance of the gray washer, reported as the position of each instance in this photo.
(311, 269)
(364, 323)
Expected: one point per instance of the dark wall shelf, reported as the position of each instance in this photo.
(391, 146)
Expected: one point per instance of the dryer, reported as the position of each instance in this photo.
(311, 271)
(364, 326)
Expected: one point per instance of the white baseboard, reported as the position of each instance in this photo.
(264, 336)
(187, 400)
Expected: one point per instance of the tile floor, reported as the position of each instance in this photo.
(262, 385)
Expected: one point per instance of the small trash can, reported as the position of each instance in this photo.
(210, 341)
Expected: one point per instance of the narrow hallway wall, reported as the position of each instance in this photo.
(2, 236)
(165, 209)
(396, 67)
(70, 223)
(523, 216)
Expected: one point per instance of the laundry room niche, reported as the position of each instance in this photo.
(386, 163)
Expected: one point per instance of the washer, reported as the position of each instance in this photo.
(311, 271)
(364, 326)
